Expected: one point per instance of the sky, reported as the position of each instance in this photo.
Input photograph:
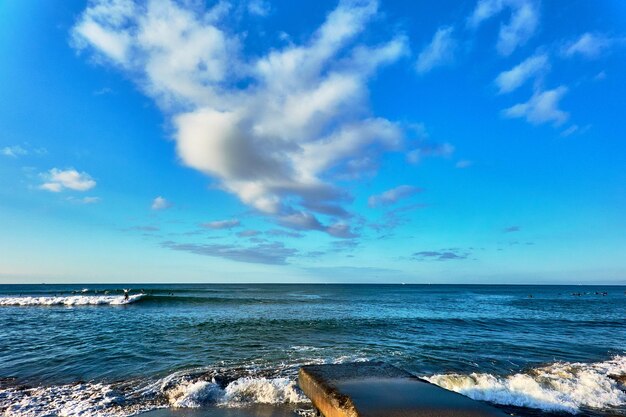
(477, 141)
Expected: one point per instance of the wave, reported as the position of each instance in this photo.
(70, 301)
(557, 387)
(82, 298)
(179, 390)
(241, 392)
(560, 386)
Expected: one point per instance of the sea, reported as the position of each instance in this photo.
(234, 350)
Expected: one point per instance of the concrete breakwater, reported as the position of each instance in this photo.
(377, 389)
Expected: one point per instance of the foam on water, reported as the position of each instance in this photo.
(243, 391)
(560, 386)
(73, 300)
(177, 391)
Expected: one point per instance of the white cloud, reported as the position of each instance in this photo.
(543, 107)
(439, 52)
(13, 151)
(444, 150)
(392, 196)
(464, 163)
(590, 45)
(84, 200)
(259, 7)
(57, 180)
(509, 80)
(222, 224)
(160, 203)
(518, 30)
(269, 128)
(90, 200)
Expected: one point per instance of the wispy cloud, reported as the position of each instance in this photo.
(16, 151)
(57, 180)
(268, 128)
(160, 203)
(416, 156)
(522, 24)
(222, 224)
(148, 229)
(440, 51)
(543, 107)
(273, 253)
(591, 45)
(283, 233)
(451, 254)
(13, 151)
(84, 200)
(464, 163)
(393, 195)
(510, 80)
(259, 7)
(511, 229)
(248, 233)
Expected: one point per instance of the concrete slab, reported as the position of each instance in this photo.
(377, 389)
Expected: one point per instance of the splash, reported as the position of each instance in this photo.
(560, 386)
(70, 301)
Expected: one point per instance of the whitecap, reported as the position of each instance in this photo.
(69, 301)
(560, 386)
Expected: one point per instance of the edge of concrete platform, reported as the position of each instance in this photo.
(358, 389)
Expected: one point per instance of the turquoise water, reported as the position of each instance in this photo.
(85, 350)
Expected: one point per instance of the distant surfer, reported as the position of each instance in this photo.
(126, 295)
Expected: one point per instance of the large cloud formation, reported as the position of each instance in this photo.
(272, 128)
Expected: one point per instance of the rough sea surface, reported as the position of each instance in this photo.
(83, 350)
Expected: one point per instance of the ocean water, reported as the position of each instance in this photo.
(83, 350)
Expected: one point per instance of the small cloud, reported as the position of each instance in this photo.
(542, 107)
(511, 229)
(510, 80)
(90, 200)
(340, 230)
(464, 164)
(590, 45)
(160, 203)
(103, 91)
(345, 245)
(84, 200)
(522, 24)
(569, 131)
(259, 8)
(248, 233)
(439, 52)
(393, 195)
(444, 150)
(57, 180)
(221, 224)
(575, 129)
(600, 76)
(302, 220)
(441, 255)
(143, 228)
(283, 233)
(273, 253)
(14, 151)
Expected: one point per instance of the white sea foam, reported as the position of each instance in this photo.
(241, 392)
(73, 300)
(85, 400)
(560, 386)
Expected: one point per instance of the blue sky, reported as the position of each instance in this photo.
(352, 141)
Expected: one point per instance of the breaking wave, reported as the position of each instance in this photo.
(561, 386)
(71, 300)
(178, 390)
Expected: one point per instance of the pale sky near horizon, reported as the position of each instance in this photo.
(480, 141)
